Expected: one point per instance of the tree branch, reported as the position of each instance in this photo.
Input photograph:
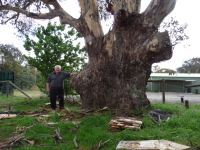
(58, 11)
(65, 18)
(48, 6)
(157, 11)
(89, 12)
(159, 47)
(13, 17)
(28, 4)
(52, 2)
(49, 15)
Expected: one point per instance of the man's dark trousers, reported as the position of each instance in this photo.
(54, 94)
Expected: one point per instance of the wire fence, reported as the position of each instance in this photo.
(7, 87)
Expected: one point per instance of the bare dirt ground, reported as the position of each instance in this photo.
(173, 97)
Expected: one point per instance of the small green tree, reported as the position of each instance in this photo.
(51, 47)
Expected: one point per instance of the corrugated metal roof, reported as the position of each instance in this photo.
(175, 75)
(173, 80)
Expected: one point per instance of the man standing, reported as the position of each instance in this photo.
(55, 86)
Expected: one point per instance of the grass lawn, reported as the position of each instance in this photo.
(89, 130)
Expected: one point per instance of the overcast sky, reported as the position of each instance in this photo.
(186, 11)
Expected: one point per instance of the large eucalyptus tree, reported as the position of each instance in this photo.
(119, 61)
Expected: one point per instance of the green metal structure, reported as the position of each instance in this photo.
(177, 82)
(6, 76)
(6, 88)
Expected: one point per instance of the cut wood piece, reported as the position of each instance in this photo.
(125, 122)
(150, 145)
(52, 123)
(47, 103)
(131, 127)
(46, 116)
(130, 120)
(6, 116)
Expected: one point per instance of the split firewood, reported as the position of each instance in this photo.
(123, 123)
(130, 120)
(131, 127)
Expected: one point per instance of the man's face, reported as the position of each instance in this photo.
(57, 70)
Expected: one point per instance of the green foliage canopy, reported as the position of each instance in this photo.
(52, 46)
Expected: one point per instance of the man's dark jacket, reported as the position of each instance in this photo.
(57, 80)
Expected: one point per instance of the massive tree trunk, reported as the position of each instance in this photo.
(120, 61)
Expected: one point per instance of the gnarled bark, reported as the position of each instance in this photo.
(118, 76)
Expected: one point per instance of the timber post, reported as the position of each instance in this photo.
(186, 104)
(182, 99)
(163, 91)
(19, 89)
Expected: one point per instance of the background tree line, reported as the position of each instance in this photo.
(189, 66)
(14, 61)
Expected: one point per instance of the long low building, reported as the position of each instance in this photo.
(174, 82)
